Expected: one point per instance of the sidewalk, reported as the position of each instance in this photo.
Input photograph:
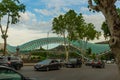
(28, 64)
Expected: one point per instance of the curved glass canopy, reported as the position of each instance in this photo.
(96, 48)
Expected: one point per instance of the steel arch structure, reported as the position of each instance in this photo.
(36, 43)
(31, 45)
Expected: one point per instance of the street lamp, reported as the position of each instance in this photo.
(17, 50)
(47, 39)
(47, 43)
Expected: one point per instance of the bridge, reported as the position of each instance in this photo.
(32, 45)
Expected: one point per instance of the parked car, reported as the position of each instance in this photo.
(98, 64)
(7, 73)
(89, 63)
(73, 63)
(62, 62)
(11, 61)
(48, 64)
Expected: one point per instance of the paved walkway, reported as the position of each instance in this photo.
(28, 64)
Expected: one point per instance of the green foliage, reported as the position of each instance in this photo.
(107, 56)
(105, 30)
(75, 26)
(12, 9)
(90, 33)
(103, 57)
(58, 25)
(44, 54)
(70, 23)
(89, 51)
(93, 56)
(73, 55)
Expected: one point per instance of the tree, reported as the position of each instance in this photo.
(58, 27)
(11, 9)
(66, 24)
(75, 27)
(109, 10)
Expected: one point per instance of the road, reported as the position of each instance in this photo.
(110, 72)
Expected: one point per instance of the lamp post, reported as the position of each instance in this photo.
(47, 43)
(47, 39)
(17, 50)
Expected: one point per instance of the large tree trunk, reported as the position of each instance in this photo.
(108, 9)
(5, 45)
(66, 50)
(113, 21)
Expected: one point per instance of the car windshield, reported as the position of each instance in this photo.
(6, 74)
(47, 61)
(2, 60)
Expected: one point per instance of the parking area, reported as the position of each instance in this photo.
(110, 72)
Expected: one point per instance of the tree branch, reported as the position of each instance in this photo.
(1, 27)
(114, 1)
(7, 24)
(94, 7)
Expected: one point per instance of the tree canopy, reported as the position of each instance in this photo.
(74, 26)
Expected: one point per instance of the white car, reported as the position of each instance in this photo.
(108, 62)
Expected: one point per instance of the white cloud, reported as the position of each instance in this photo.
(59, 5)
(29, 21)
(95, 18)
(27, 17)
(84, 9)
(49, 12)
(63, 3)
(18, 37)
(44, 12)
(28, 29)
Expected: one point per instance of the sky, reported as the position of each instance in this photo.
(36, 22)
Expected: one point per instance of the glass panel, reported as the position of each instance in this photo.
(7, 74)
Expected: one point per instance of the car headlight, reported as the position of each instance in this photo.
(41, 65)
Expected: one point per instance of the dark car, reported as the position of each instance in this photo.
(48, 64)
(7, 73)
(73, 63)
(11, 61)
(98, 64)
(62, 62)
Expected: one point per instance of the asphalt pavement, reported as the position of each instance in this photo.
(110, 72)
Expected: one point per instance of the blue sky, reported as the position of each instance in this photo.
(37, 20)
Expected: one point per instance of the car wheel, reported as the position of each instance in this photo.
(36, 69)
(47, 68)
(93, 66)
(17, 67)
(103, 66)
(58, 67)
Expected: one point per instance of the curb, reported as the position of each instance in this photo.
(28, 64)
